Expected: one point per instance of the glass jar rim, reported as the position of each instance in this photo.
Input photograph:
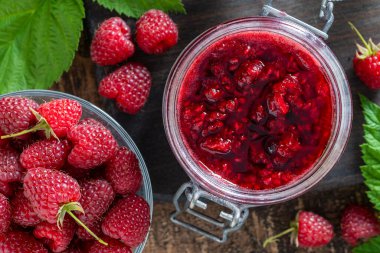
(342, 110)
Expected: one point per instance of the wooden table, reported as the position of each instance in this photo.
(341, 185)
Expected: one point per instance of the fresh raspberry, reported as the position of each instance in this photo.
(6, 189)
(22, 211)
(309, 230)
(5, 214)
(57, 239)
(123, 172)
(156, 32)
(93, 145)
(10, 168)
(48, 154)
(15, 114)
(47, 190)
(95, 227)
(129, 85)
(97, 196)
(358, 223)
(367, 61)
(114, 246)
(61, 115)
(112, 42)
(128, 220)
(20, 242)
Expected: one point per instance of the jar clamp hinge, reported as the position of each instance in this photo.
(196, 197)
(326, 13)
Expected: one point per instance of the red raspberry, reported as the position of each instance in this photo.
(15, 114)
(22, 211)
(156, 32)
(95, 227)
(6, 188)
(5, 214)
(57, 239)
(97, 196)
(112, 42)
(20, 242)
(47, 190)
(114, 246)
(48, 154)
(248, 72)
(358, 223)
(123, 172)
(128, 220)
(10, 168)
(93, 145)
(129, 85)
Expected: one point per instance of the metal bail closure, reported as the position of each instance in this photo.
(326, 13)
(196, 197)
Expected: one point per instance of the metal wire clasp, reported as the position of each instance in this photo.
(326, 13)
(196, 197)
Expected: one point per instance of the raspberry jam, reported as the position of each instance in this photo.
(255, 109)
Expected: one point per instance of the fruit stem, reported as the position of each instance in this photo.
(86, 228)
(361, 37)
(274, 238)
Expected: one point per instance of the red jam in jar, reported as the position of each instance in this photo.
(256, 110)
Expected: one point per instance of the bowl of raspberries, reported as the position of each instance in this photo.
(71, 178)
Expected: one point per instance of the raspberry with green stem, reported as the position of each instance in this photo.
(369, 49)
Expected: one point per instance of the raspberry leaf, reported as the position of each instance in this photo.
(371, 246)
(38, 41)
(135, 9)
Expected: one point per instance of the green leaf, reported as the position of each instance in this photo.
(135, 8)
(371, 151)
(38, 40)
(371, 246)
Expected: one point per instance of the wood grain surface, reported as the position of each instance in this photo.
(340, 186)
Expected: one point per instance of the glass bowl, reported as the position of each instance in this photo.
(341, 122)
(121, 136)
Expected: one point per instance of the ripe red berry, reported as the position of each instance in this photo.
(22, 211)
(309, 230)
(128, 220)
(367, 61)
(48, 154)
(112, 42)
(20, 242)
(156, 32)
(95, 227)
(47, 190)
(5, 214)
(10, 168)
(57, 239)
(15, 114)
(358, 223)
(114, 246)
(129, 85)
(93, 145)
(123, 172)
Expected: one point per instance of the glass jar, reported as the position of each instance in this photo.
(221, 191)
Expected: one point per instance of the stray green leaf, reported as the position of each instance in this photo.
(135, 9)
(371, 246)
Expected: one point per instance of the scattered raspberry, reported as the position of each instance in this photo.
(93, 145)
(5, 214)
(128, 220)
(358, 223)
(129, 85)
(47, 190)
(15, 114)
(20, 242)
(6, 189)
(97, 196)
(48, 154)
(156, 32)
(22, 211)
(10, 168)
(309, 229)
(57, 239)
(114, 246)
(112, 42)
(123, 172)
